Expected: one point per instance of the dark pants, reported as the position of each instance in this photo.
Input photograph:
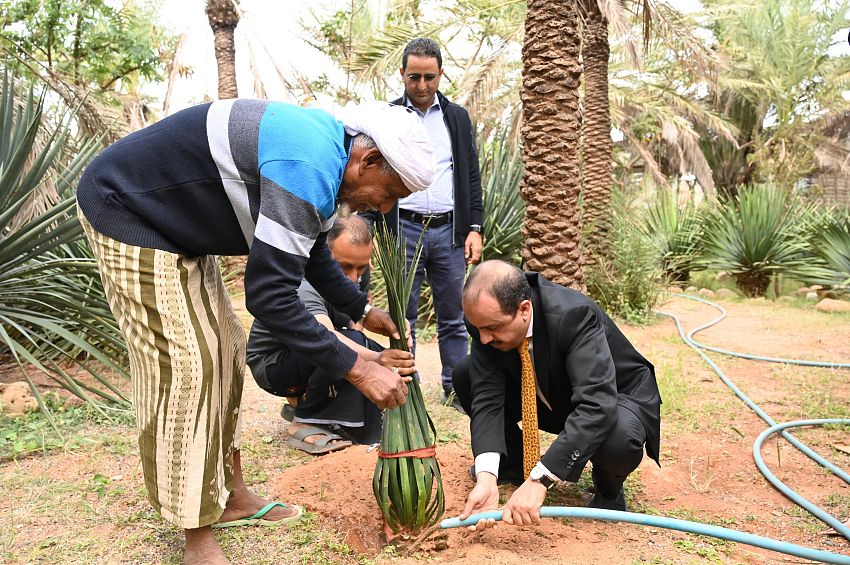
(323, 398)
(445, 266)
(619, 454)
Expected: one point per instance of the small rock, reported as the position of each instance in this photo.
(706, 292)
(674, 290)
(17, 398)
(726, 293)
(802, 291)
(829, 293)
(691, 289)
(816, 287)
(811, 296)
(723, 276)
(831, 305)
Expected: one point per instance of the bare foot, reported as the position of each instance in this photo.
(243, 503)
(295, 426)
(202, 548)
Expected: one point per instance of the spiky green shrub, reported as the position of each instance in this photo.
(408, 488)
(764, 231)
(627, 282)
(678, 232)
(54, 317)
(832, 246)
(504, 209)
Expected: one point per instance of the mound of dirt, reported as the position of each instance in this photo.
(338, 487)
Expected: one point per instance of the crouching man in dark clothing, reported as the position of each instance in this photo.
(327, 412)
(548, 356)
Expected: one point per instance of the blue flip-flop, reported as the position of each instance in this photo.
(257, 518)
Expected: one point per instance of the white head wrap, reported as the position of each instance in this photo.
(399, 134)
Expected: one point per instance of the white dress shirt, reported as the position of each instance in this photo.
(439, 198)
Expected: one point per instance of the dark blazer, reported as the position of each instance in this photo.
(585, 367)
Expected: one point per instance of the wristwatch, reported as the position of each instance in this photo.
(538, 474)
(475, 227)
(366, 311)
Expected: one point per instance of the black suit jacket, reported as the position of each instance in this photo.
(585, 367)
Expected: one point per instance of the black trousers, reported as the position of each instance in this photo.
(324, 398)
(619, 454)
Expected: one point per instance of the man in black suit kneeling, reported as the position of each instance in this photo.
(583, 381)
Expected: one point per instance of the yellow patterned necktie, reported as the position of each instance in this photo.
(530, 435)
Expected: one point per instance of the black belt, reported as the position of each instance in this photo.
(433, 220)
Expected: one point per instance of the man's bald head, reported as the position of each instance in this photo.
(501, 280)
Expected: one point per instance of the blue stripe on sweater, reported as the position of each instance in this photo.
(317, 138)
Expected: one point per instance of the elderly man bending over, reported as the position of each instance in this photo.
(235, 177)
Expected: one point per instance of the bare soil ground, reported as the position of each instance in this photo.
(52, 508)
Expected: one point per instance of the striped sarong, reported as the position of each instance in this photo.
(187, 362)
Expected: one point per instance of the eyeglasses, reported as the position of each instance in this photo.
(415, 78)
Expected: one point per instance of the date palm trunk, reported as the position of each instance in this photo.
(596, 139)
(224, 18)
(551, 183)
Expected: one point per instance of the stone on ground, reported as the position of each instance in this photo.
(726, 293)
(17, 398)
(831, 305)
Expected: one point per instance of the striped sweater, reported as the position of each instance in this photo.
(238, 177)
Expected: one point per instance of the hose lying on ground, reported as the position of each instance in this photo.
(662, 522)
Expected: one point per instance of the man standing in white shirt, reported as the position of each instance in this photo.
(449, 212)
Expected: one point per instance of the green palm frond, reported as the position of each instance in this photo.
(381, 54)
(504, 209)
(54, 317)
(408, 488)
(832, 246)
(677, 230)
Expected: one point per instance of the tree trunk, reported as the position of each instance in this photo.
(596, 146)
(223, 19)
(551, 183)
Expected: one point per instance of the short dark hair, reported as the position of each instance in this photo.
(422, 47)
(352, 224)
(503, 281)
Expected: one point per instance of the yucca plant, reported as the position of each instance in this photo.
(764, 231)
(832, 247)
(678, 231)
(407, 482)
(54, 317)
(504, 209)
